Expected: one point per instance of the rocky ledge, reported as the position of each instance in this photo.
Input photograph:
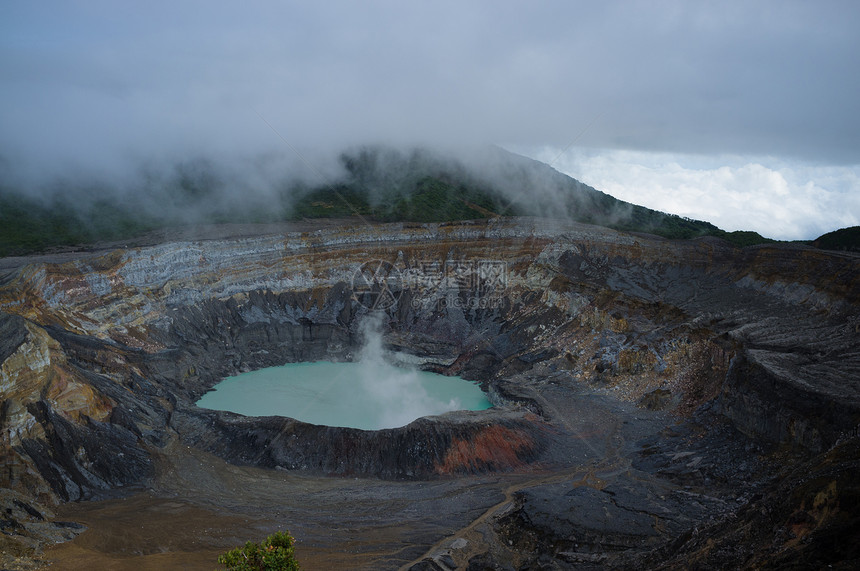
(649, 394)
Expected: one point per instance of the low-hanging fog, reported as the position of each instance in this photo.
(106, 99)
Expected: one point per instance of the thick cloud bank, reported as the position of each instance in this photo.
(97, 88)
(780, 199)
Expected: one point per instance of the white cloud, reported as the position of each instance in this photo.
(97, 86)
(87, 81)
(777, 198)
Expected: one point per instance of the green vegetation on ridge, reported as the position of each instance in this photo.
(27, 225)
(379, 184)
(845, 239)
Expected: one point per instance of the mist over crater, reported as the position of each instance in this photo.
(370, 393)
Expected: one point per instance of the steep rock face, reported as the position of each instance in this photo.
(63, 424)
(458, 443)
(104, 357)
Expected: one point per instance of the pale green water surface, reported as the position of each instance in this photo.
(362, 395)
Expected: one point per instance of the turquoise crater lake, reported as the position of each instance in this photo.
(370, 396)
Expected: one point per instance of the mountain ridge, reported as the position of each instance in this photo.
(379, 183)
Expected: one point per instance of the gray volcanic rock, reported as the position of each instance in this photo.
(423, 449)
(25, 526)
(638, 383)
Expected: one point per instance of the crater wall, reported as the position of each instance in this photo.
(103, 357)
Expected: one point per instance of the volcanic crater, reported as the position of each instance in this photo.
(656, 402)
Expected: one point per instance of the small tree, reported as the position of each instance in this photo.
(275, 553)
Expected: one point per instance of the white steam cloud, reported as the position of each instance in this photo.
(370, 393)
(398, 393)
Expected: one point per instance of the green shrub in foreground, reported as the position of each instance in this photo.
(275, 553)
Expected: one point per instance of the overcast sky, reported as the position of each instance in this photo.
(746, 114)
